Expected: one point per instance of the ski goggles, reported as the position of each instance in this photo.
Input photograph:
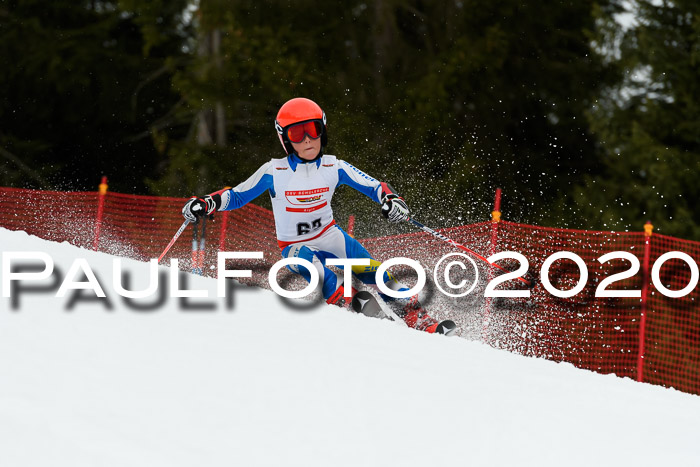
(297, 132)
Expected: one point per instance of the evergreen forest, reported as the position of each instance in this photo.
(585, 113)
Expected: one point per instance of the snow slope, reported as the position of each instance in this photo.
(267, 384)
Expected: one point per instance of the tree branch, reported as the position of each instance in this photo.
(24, 167)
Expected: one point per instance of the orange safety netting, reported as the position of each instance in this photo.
(606, 335)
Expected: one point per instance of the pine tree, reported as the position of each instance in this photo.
(650, 126)
(80, 92)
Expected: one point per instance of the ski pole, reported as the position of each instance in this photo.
(195, 247)
(202, 240)
(529, 283)
(172, 242)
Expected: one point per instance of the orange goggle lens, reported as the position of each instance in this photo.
(296, 133)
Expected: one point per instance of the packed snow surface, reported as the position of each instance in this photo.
(83, 383)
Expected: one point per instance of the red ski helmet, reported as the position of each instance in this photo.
(299, 110)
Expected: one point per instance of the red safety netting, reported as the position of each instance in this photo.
(599, 334)
(137, 227)
(655, 339)
(672, 331)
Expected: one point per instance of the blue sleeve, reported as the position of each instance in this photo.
(247, 191)
(360, 181)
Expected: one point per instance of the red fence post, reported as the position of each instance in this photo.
(648, 228)
(100, 211)
(495, 219)
(351, 225)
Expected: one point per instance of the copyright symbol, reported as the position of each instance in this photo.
(446, 274)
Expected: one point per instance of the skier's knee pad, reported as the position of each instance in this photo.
(303, 252)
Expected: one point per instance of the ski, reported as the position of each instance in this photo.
(446, 327)
(367, 304)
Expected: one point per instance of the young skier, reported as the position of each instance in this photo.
(301, 186)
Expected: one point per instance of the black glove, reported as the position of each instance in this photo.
(199, 207)
(394, 208)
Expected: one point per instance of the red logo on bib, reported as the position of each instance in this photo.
(312, 199)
